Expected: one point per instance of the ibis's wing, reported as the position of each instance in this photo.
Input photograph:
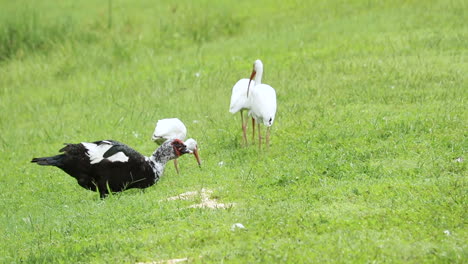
(239, 99)
(170, 128)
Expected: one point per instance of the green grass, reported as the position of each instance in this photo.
(372, 115)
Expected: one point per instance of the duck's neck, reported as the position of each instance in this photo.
(159, 156)
(158, 161)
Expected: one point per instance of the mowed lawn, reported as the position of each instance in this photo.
(368, 151)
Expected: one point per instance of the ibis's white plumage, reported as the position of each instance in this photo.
(169, 128)
(262, 100)
(263, 104)
(239, 99)
(241, 102)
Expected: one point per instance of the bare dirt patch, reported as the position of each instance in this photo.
(206, 200)
(168, 261)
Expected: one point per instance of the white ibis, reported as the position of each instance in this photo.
(110, 166)
(262, 102)
(172, 128)
(240, 102)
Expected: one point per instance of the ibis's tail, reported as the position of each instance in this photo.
(49, 161)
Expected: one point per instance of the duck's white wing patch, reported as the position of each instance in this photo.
(119, 156)
(96, 152)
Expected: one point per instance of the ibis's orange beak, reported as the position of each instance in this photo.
(195, 153)
(251, 77)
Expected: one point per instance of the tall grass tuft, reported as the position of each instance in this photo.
(29, 32)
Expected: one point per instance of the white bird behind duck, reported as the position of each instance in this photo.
(169, 128)
(173, 128)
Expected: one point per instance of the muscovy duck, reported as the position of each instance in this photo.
(110, 166)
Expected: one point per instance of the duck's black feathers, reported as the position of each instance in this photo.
(110, 165)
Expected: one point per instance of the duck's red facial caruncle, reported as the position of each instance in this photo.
(179, 147)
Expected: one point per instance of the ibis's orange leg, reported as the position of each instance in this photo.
(244, 128)
(253, 130)
(176, 166)
(268, 138)
(259, 138)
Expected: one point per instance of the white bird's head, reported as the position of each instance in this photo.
(193, 147)
(257, 68)
(258, 65)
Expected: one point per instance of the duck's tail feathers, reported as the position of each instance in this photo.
(48, 161)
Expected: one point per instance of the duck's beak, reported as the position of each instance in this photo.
(251, 77)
